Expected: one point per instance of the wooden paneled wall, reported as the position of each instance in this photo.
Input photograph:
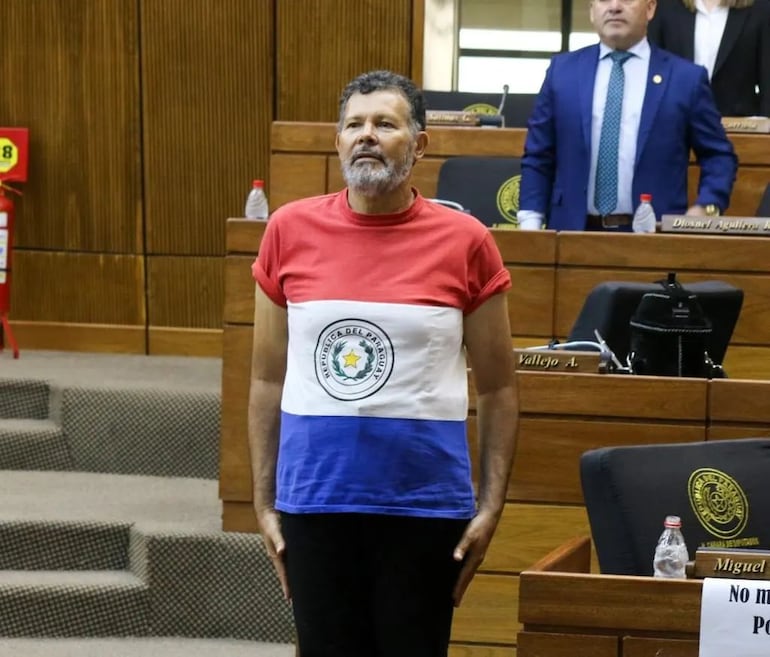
(322, 45)
(148, 120)
(69, 71)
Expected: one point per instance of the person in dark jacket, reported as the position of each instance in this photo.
(731, 38)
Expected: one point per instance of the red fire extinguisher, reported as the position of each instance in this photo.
(7, 212)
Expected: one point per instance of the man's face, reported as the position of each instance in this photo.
(622, 23)
(376, 144)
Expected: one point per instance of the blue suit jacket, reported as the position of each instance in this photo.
(678, 114)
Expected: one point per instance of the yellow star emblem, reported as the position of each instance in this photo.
(351, 359)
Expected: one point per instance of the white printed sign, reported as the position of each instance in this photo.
(735, 618)
(3, 237)
(3, 219)
(2, 277)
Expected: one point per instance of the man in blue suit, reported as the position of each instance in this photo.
(617, 120)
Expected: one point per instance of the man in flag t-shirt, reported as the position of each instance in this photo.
(367, 303)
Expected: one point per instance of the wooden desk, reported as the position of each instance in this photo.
(738, 409)
(567, 612)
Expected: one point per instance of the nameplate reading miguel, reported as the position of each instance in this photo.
(679, 223)
(736, 564)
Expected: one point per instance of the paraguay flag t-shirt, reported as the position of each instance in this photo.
(375, 397)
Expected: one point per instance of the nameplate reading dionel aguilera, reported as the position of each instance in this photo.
(747, 226)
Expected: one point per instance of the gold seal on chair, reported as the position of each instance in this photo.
(508, 201)
(481, 108)
(719, 502)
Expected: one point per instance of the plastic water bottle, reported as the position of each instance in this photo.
(671, 554)
(644, 217)
(256, 202)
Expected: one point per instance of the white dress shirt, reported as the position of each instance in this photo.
(635, 75)
(709, 28)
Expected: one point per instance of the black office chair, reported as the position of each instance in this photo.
(487, 187)
(609, 306)
(720, 490)
(763, 209)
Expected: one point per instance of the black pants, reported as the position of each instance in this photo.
(371, 585)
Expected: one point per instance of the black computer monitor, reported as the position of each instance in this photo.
(609, 306)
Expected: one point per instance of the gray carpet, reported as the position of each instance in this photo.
(75, 369)
(147, 553)
(110, 518)
(147, 415)
(151, 502)
(141, 648)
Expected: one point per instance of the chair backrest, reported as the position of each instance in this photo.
(719, 488)
(763, 209)
(487, 187)
(609, 306)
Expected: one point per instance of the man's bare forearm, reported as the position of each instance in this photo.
(497, 421)
(264, 424)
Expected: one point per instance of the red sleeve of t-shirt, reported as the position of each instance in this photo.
(266, 267)
(487, 274)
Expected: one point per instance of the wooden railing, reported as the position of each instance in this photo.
(566, 610)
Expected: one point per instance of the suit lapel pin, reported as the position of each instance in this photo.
(657, 79)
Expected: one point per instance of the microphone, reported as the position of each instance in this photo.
(502, 100)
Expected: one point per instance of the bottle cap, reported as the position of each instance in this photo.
(258, 183)
(645, 198)
(672, 522)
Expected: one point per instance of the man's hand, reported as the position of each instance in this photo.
(270, 528)
(696, 211)
(473, 548)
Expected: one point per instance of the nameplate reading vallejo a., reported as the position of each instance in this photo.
(555, 360)
(737, 564)
(679, 223)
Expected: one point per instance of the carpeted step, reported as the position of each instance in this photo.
(142, 647)
(33, 445)
(70, 604)
(218, 584)
(56, 545)
(170, 432)
(24, 398)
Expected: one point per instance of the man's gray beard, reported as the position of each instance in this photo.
(369, 179)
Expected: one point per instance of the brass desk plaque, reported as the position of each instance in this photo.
(746, 124)
(734, 563)
(560, 360)
(745, 226)
(461, 118)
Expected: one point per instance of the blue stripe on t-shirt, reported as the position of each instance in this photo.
(334, 464)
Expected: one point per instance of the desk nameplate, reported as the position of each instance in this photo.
(744, 226)
(735, 563)
(560, 360)
(757, 124)
(462, 118)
